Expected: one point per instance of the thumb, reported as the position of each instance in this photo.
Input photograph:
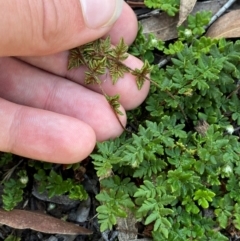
(41, 27)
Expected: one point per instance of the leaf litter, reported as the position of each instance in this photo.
(186, 7)
(127, 228)
(23, 219)
(165, 27)
(228, 26)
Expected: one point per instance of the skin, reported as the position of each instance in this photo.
(46, 111)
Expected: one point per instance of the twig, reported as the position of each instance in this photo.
(9, 172)
(164, 61)
(149, 14)
(234, 92)
(221, 11)
(136, 4)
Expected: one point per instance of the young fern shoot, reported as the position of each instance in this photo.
(101, 58)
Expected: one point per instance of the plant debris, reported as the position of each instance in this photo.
(165, 27)
(22, 219)
(186, 7)
(227, 26)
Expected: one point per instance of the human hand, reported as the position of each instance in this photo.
(47, 113)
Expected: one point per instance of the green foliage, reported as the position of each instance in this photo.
(203, 197)
(196, 26)
(169, 6)
(13, 190)
(144, 45)
(182, 161)
(115, 183)
(48, 180)
(103, 160)
(114, 203)
(12, 238)
(174, 48)
(54, 184)
(77, 192)
(5, 159)
(152, 200)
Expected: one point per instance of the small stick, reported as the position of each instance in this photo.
(136, 4)
(234, 92)
(149, 14)
(164, 62)
(221, 11)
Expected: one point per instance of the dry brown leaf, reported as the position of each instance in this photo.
(126, 227)
(202, 127)
(22, 219)
(186, 7)
(165, 27)
(227, 26)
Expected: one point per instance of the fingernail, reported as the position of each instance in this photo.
(100, 13)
